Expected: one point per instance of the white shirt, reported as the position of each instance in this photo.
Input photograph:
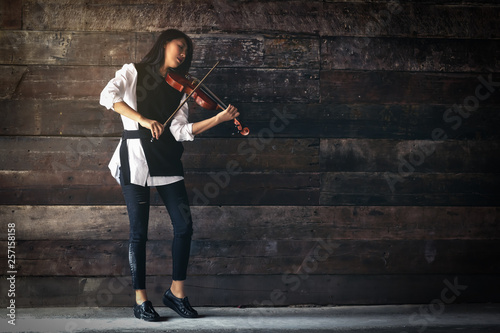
(122, 88)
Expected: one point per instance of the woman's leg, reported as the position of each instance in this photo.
(137, 199)
(175, 198)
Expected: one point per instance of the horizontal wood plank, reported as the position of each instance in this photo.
(260, 222)
(230, 188)
(266, 120)
(87, 82)
(98, 187)
(67, 48)
(326, 18)
(23, 47)
(323, 256)
(410, 54)
(259, 85)
(60, 82)
(259, 290)
(380, 87)
(352, 155)
(409, 188)
(58, 118)
(232, 156)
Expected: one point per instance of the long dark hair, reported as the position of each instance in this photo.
(156, 56)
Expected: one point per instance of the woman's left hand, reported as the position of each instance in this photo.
(228, 114)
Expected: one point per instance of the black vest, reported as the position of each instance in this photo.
(157, 100)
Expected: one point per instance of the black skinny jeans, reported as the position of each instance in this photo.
(175, 198)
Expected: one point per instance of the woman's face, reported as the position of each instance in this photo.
(175, 52)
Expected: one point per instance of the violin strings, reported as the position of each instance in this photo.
(213, 96)
(207, 91)
(184, 101)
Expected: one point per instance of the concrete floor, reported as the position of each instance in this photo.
(388, 319)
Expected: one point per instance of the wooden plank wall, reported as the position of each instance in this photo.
(370, 175)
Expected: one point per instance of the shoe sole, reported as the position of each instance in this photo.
(145, 319)
(171, 305)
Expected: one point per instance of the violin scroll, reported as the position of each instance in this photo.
(241, 129)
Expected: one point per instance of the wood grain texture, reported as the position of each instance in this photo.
(11, 77)
(229, 155)
(212, 257)
(87, 82)
(258, 290)
(409, 188)
(272, 86)
(77, 118)
(386, 18)
(11, 14)
(217, 188)
(94, 187)
(280, 223)
(398, 156)
(369, 177)
(410, 54)
(282, 51)
(74, 48)
(387, 87)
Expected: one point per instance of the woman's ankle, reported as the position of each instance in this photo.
(140, 296)
(177, 289)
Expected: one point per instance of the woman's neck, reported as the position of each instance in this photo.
(163, 70)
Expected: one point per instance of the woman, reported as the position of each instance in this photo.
(150, 155)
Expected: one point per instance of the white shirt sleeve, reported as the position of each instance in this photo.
(180, 127)
(120, 87)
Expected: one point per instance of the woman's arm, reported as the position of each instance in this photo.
(157, 128)
(125, 110)
(229, 114)
(113, 94)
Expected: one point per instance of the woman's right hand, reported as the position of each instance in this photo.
(125, 110)
(155, 127)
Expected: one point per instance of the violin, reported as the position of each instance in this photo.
(201, 94)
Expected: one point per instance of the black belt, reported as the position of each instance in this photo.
(124, 161)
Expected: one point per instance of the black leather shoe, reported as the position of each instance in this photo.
(146, 312)
(181, 306)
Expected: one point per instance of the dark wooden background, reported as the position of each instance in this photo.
(370, 175)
